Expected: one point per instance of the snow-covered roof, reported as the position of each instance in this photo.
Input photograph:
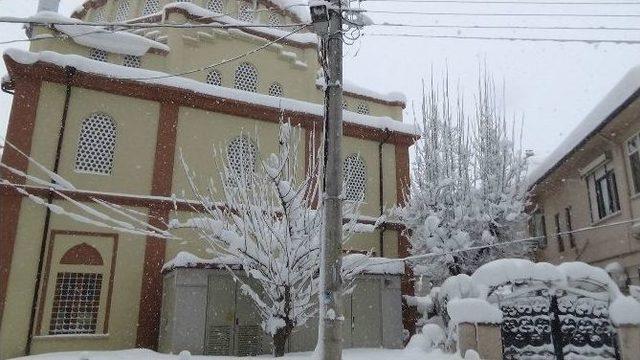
(118, 42)
(186, 259)
(363, 263)
(147, 76)
(617, 98)
(373, 265)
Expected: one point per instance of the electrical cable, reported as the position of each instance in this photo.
(463, 37)
(524, 2)
(445, 13)
(534, 238)
(234, 58)
(506, 27)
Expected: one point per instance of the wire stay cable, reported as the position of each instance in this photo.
(14, 20)
(234, 58)
(463, 37)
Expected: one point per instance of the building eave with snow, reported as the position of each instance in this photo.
(105, 110)
(591, 183)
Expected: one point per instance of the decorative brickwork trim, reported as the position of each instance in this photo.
(19, 133)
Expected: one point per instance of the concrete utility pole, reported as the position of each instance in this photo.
(330, 331)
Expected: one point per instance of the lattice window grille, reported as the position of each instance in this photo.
(274, 19)
(98, 14)
(122, 12)
(276, 90)
(131, 61)
(150, 7)
(345, 104)
(355, 177)
(362, 108)
(216, 6)
(246, 77)
(182, 0)
(76, 303)
(98, 55)
(241, 157)
(96, 145)
(246, 13)
(214, 78)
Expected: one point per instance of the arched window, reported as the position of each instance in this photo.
(96, 145)
(150, 7)
(216, 6)
(214, 78)
(274, 18)
(246, 77)
(76, 301)
(98, 55)
(355, 177)
(241, 157)
(131, 61)
(362, 108)
(276, 90)
(245, 12)
(122, 10)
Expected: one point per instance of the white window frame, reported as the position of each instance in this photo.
(603, 193)
(635, 184)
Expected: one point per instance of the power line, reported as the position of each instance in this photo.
(534, 238)
(51, 37)
(237, 57)
(525, 2)
(445, 13)
(508, 27)
(463, 37)
(13, 20)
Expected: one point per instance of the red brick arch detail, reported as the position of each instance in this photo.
(82, 254)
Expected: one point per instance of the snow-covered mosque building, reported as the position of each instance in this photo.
(105, 111)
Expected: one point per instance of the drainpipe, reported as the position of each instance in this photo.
(387, 134)
(68, 72)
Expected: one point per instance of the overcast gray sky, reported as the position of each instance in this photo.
(554, 85)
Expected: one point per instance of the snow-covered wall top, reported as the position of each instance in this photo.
(597, 118)
(475, 311)
(359, 262)
(350, 87)
(118, 42)
(158, 78)
(512, 271)
(197, 11)
(625, 310)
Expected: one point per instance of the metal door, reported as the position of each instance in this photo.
(365, 314)
(220, 315)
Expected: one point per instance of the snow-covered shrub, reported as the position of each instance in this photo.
(430, 337)
(625, 310)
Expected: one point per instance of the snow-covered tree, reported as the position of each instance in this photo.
(270, 220)
(467, 185)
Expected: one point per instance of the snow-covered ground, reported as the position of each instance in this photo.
(140, 354)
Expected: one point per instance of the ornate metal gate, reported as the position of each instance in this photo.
(563, 324)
